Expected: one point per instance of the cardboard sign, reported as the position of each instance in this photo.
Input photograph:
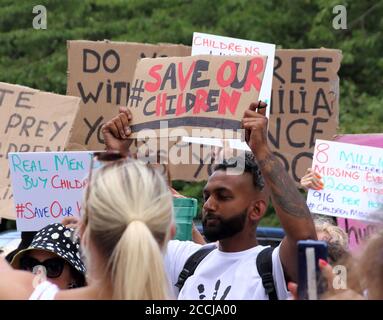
(204, 43)
(353, 181)
(205, 154)
(304, 105)
(101, 73)
(192, 94)
(358, 231)
(180, 159)
(217, 45)
(47, 186)
(31, 120)
(227, 143)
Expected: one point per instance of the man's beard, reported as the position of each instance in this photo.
(223, 228)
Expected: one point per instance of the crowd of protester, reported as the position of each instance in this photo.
(122, 247)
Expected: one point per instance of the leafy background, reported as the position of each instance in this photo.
(37, 58)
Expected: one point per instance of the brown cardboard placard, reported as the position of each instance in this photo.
(182, 160)
(191, 93)
(31, 120)
(290, 122)
(101, 73)
(304, 107)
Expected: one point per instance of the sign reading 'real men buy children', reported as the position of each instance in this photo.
(353, 181)
(47, 186)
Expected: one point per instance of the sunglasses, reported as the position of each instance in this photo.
(53, 266)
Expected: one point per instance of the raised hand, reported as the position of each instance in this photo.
(116, 131)
(312, 180)
(255, 124)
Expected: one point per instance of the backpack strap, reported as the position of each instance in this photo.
(192, 263)
(265, 270)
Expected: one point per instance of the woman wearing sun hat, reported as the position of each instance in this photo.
(126, 224)
(53, 255)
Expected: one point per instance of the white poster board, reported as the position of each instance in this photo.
(47, 186)
(232, 143)
(204, 43)
(353, 181)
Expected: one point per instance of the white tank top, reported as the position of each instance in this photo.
(44, 291)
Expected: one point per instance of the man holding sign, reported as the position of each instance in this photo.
(234, 205)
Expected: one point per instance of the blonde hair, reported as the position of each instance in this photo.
(335, 233)
(364, 272)
(336, 238)
(371, 266)
(130, 213)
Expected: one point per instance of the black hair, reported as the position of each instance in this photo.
(250, 166)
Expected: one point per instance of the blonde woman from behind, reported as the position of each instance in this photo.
(127, 223)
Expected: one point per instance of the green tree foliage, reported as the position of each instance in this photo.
(37, 58)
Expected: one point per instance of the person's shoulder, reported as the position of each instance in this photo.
(256, 250)
(184, 249)
(181, 244)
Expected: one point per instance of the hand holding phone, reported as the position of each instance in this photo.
(311, 283)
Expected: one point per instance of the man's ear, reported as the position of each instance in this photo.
(257, 209)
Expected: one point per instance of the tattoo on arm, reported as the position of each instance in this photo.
(282, 187)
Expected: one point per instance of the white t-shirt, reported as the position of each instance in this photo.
(222, 275)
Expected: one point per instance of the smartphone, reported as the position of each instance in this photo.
(311, 283)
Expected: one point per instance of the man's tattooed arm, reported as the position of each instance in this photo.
(289, 205)
(283, 190)
(291, 210)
